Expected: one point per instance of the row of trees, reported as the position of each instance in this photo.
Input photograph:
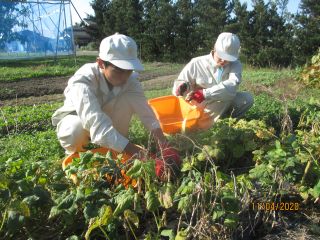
(9, 14)
(178, 30)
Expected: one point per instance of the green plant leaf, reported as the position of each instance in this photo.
(316, 190)
(217, 214)
(85, 157)
(131, 217)
(24, 209)
(136, 170)
(184, 204)
(3, 182)
(93, 224)
(105, 215)
(73, 237)
(148, 236)
(66, 202)
(238, 151)
(42, 193)
(91, 210)
(222, 176)
(152, 200)
(230, 203)
(167, 233)
(59, 186)
(124, 200)
(149, 169)
(111, 161)
(201, 157)
(54, 212)
(31, 200)
(181, 235)
(231, 220)
(186, 166)
(14, 221)
(80, 195)
(24, 186)
(103, 219)
(165, 196)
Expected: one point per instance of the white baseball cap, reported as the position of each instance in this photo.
(227, 46)
(121, 51)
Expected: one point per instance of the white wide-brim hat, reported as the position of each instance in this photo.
(121, 51)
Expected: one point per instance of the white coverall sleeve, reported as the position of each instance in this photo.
(227, 89)
(94, 119)
(141, 107)
(186, 75)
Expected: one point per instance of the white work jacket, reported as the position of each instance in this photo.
(86, 95)
(202, 73)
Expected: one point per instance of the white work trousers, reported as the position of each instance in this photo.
(235, 108)
(73, 137)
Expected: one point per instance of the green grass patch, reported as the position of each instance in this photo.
(14, 70)
(32, 146)
(17, 119)
(161, 69)
(157, 93)
(265, 76)
(39, 68)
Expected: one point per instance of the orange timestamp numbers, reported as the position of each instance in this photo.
(276, 206)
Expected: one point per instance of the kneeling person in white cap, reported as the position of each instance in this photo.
(100, 100)
(212, 80)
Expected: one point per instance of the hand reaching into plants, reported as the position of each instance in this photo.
(196, 95)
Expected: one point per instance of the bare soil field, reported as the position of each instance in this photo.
(35, 91)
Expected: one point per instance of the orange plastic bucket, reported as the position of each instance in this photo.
(124, 180)
(177, 115)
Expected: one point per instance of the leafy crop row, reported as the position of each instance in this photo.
(17, 119)
(225, 170)
(310, 74)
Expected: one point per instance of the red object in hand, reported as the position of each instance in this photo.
(159, 167)
(197, 96)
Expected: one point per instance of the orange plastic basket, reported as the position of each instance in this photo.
(177, 115)
(125, 180)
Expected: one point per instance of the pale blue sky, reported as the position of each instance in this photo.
(293, 5)
(84, 8)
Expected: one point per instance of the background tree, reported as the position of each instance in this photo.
(264, 37)
(212, 16)
(240, 25)
(307, 31)
(125, 17)
(10, 17)
(186, 38)
(159, 19)
(97, 27)
(167, 30)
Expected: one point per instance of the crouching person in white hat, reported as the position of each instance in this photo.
(212, 81)
(100, 100)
